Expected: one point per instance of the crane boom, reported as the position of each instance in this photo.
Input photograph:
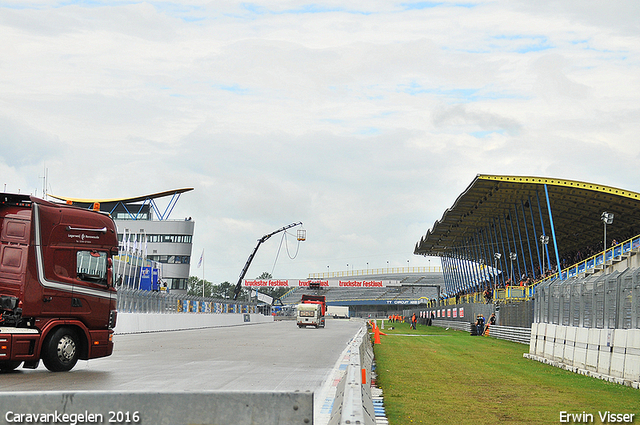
(248, 263)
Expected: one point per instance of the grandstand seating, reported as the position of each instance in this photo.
(391, 293)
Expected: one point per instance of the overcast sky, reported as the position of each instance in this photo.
(362, 119)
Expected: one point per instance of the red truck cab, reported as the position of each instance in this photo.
(57, 299)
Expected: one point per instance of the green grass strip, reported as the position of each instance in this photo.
(438, 376)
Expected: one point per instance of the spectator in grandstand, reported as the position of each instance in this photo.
(487, 296)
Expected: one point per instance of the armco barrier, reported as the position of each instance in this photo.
(353, 403)
(509, 333)
(180, 408)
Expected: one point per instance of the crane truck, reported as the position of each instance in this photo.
(57, 299)
(311, 311)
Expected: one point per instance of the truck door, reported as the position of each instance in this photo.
(91, 293)
(57, 297)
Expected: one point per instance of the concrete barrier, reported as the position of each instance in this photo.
(580, 351)
(542, 332)
(632, 359)
(619, 353)
(533, 341)
(157, 322)
(569, 345)
(181, 408)
(608, 354)
(549, 340)
(593, 349)
(353, 403)
(559, 343)
(605, 349)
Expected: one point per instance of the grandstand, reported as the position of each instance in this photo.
(555, 260)
(416, 286)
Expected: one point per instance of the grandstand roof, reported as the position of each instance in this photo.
(576, 209)
(134, 199)
(145, 202)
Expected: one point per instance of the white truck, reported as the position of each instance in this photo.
(338, 311)
(311, 310)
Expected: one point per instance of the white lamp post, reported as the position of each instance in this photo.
(544, 240)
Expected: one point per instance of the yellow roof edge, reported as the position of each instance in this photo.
(563, 182)
(132, 199)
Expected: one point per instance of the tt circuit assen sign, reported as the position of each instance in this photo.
(351, 283)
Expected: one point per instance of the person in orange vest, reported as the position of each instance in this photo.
(414, 321)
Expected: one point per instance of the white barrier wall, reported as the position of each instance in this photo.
(157, 322)
(610, 354)
(148, 408)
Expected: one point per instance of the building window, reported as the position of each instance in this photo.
(159, 238)
(170, 259)
(132, 216)
(175, 283)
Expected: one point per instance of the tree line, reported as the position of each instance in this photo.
(225, 289)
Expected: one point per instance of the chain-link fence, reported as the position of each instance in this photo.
(137, 301)
(604, 301)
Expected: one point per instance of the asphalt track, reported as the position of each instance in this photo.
(274, 356)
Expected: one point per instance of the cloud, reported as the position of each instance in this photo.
(23, 145)
(463, 118)
(363, 120)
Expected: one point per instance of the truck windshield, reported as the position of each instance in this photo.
(92, 266)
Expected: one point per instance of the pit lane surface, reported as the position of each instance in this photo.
(259, 357)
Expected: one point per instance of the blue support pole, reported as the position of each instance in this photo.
(460, 266)
(526, 229)
(545, 248)
(446, 273)
(535, 236)
(505, 253)
(453, 273)
(470, 268)
(524, 260)
(497, 264)
(488, 259)
(553, 232)
(515, 246)
(477, 254)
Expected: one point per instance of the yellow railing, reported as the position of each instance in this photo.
(376, 271)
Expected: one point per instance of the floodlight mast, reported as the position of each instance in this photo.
(248, 263)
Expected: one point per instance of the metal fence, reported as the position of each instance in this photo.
(137, 301)
(604, 301)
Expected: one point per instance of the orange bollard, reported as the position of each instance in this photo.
(376, 335)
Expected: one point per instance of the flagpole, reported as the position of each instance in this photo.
(202, 262)
(124, 250)
(130, 261)
(143, 236)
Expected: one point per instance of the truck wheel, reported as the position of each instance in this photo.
(8, 366)
(60, 350)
